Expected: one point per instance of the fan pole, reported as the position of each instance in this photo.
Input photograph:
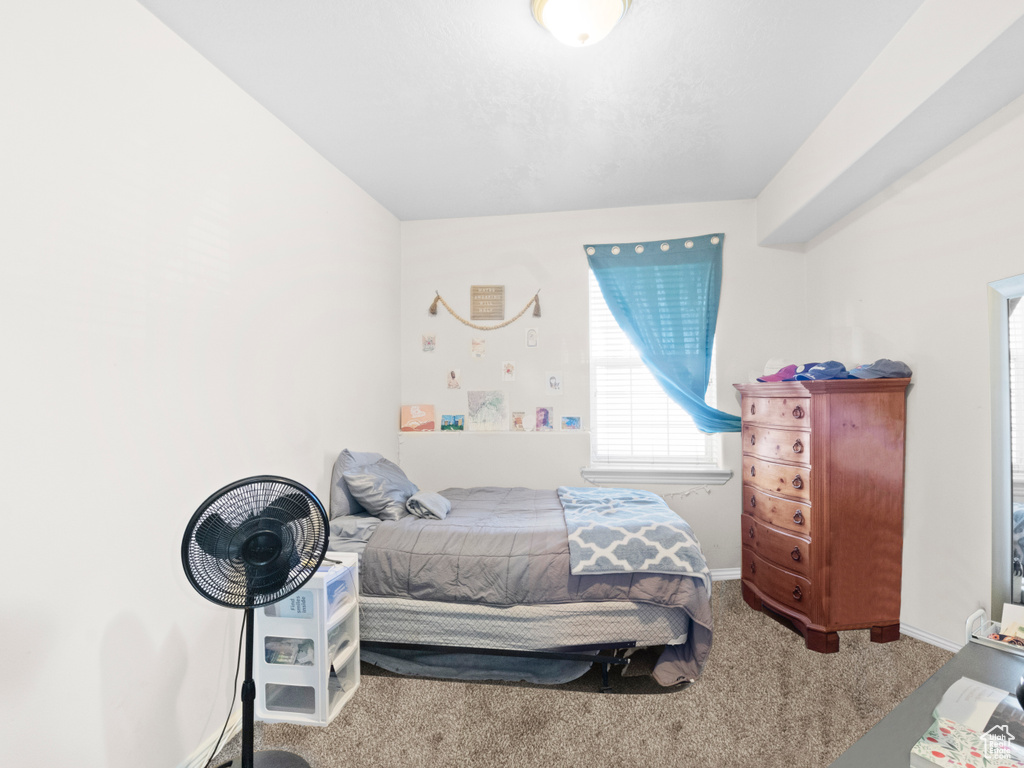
(248, 693)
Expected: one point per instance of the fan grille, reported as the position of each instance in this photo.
(255, 541)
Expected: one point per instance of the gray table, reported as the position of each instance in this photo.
(890, 741)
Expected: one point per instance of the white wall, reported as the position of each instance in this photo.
(189, 295)
(905, 278)
(762, 315)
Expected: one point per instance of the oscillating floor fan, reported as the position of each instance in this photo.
(251, 544)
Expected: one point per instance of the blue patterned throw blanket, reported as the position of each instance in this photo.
(620, 530)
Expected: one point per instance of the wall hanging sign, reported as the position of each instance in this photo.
(487, 302)
(491, 306)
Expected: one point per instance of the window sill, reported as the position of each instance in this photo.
(657, 475)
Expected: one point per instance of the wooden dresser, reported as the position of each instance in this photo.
(822, 521)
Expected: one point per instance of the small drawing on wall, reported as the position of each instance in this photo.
(417, 418)
(453, 423)
(531, 337)
(554, 379)
(454, 378)
(487, 411)
(518, 421)
(429, 342)
(569, 422)
(508, 371)
(478, 347)
(544, 420)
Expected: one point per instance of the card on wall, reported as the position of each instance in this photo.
(554, 379)
(545, 419)
(508, 371)
(454, 378)
(487, 412)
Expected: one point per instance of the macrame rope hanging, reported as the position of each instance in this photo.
(535, 301)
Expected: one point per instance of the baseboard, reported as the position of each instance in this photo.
(726, 574)
(930, 638)
(201, 755)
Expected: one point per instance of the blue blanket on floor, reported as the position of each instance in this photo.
(620, 530)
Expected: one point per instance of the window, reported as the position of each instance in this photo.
(636, 429)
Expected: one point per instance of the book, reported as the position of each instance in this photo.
(417, 418)
(975, 725)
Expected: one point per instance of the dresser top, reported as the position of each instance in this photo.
(803, 388)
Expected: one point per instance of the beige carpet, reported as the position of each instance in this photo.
(764, 700)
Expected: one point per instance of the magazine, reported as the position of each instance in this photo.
(975, 724)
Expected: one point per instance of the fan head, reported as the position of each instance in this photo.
(255, 541)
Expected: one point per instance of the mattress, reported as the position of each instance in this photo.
(519, 627)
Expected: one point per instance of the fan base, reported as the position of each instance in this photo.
(273, 758)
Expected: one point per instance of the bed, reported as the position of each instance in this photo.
(531, 581)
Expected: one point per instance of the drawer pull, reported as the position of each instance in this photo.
(753, 567)
(751, 532)
(798, 483)
(798, 412)
(753, 501)
(753, 471)
(795, 554)
(798, 593)
(798, 517)
(753, 409)
(753, 440)
(798, 447)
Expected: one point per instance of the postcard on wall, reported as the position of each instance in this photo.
(570, 422)
(518, 421)
(487, 411)
(417, 418)
(545, 419)
(429, 342)
(454, 423)
(454, 378)
(508, 371)
(478, 347)
(554, 380)
(531, 337)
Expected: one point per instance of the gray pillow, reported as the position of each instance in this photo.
(382, 489)
(342, 502)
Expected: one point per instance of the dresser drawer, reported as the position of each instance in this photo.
(776, 444)
(784, 587)
(794, 516)
(781, 479)
(784, 412)
(783, 549)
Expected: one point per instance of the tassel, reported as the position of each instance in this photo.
(433, 306)
(536, 305)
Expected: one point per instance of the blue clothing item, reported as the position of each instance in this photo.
(664, 295)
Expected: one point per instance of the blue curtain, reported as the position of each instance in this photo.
(664, 296)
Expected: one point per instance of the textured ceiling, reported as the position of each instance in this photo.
(455, 108)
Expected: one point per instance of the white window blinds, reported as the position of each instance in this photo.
(632, 421)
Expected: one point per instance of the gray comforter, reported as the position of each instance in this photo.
(508, 546)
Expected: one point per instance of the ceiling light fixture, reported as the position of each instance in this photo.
(579, 22)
